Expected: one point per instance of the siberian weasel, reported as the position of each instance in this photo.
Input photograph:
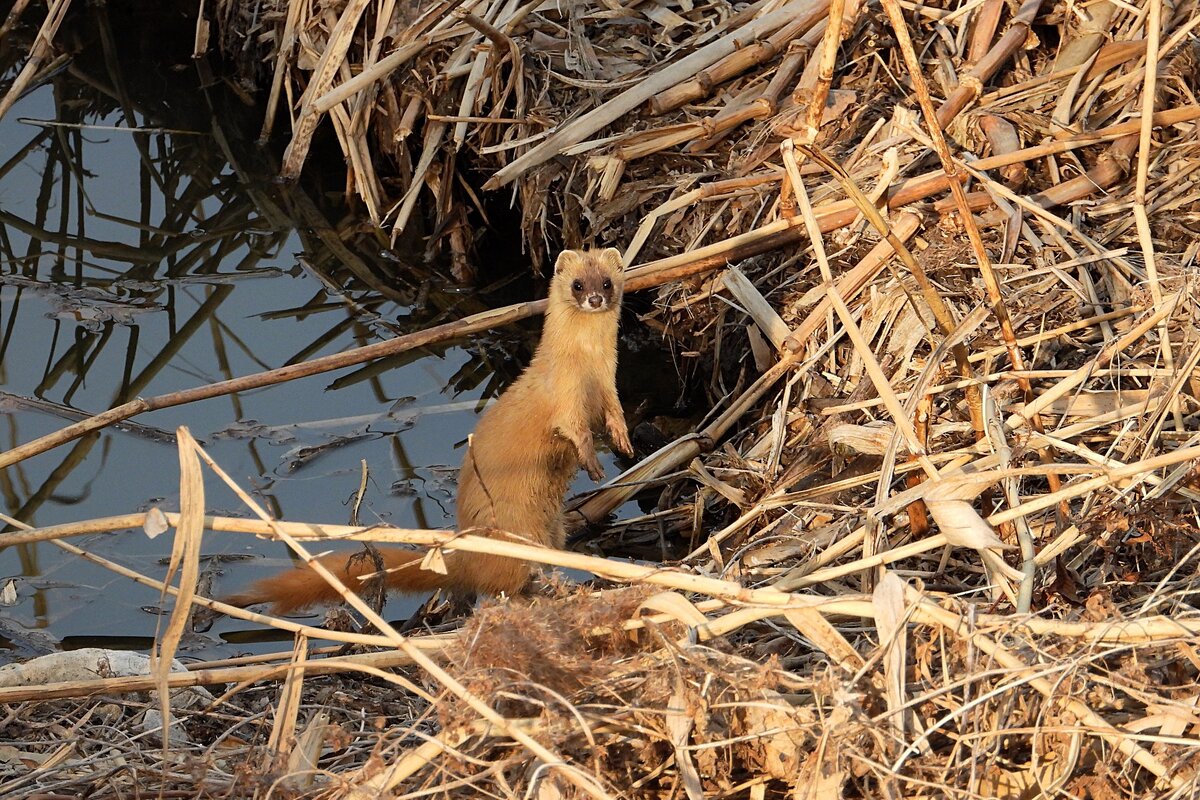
(526, 449)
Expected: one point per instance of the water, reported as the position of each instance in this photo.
(140, 264)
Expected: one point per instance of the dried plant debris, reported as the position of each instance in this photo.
(934, 533)
(561, 644)
(600, 116)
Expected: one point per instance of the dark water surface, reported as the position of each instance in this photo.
(136, 264)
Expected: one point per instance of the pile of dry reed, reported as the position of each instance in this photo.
(941, 517)
(658, 124)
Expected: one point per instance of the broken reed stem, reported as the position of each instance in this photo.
(987, 21)
(284, 50)
(245, 675)
(38, 53)
(184, 561)
(970, 86)
(830, 43)
(1145, 237)
(736, 63)
(373, 74)
(287, 705)
(331, 59)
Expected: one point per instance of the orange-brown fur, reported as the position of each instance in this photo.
(525, 450)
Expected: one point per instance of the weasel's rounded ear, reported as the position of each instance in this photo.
(567, 258)
(611, 256)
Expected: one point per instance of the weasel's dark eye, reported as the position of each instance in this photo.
(607, 283)
(577, 286)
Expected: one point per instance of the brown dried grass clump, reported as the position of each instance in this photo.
(622, 702)
(561, 644)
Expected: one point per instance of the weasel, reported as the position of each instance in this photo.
(525, 450)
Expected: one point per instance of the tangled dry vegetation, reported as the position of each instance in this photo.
(940, 527)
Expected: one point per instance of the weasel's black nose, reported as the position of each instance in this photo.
(595, 300)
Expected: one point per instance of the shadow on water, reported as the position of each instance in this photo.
(144, 249)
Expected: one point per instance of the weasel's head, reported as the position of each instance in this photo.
(591, 281)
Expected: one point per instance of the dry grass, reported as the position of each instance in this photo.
(940, 522)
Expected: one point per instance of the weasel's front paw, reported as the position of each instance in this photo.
(619, 436)
(594, 470)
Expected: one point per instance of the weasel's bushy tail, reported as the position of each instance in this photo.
(297, 589)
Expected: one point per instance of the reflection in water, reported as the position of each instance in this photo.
(141, 252)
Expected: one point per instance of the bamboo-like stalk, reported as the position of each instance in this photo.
(185, 561)
(283, 727)
(385, 66)
(987, 21)
(284, 48)
(1089, 39)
